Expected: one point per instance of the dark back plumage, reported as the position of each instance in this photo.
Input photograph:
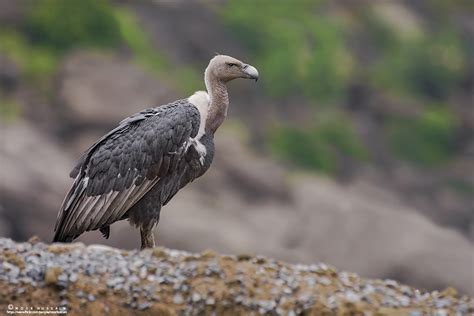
(124, 165)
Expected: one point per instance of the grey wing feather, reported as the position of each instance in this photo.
(122, 166)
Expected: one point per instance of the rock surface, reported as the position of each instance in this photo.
(98, 280)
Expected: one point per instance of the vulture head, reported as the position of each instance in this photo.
(226, 68)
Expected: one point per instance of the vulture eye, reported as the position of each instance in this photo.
(231, 64)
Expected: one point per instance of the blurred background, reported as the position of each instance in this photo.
(355, 147)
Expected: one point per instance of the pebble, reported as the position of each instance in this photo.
(441, 312)
(143, 306)
(352, 297)
(178, 299)
(404, 300)
(324, 281)
(287, 290)
(73, 277)
(442, 303)
(196, 297)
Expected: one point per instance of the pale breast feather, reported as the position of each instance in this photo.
(200, 100)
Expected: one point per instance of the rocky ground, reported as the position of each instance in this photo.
(98, 280)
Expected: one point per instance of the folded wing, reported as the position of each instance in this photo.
(121, 167)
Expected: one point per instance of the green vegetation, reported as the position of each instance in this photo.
(138, 42)
(320, 146)
(9, 109)
(426, 139)
(302, 48)
(186, 78)
(35, 62)
(461, 186)
(52, 27)
(427, 67)
(299, 52)
(62, 25)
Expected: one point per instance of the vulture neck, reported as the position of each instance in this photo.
(219, 101)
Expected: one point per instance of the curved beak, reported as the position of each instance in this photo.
(250, 72)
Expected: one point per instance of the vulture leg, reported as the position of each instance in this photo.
(148, 241)
(145, 215)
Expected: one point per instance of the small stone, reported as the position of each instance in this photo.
(14, 259)
(324, 281)
(352, 296)
(404, 300)
(62, 277)
(178, 299)
(34, 240)
(52, 274)
(440, 312)
(133, 279)
(13, 270)
(406, 290)
(143, 306)
(368, 289)
(143, 272)
(115, 281)
(305, 297)
(73, 277)
(391, 283)
(442, 303)
(196, 297)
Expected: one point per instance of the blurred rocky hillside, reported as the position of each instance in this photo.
(355, 148)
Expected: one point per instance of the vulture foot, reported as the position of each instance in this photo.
(148, 241)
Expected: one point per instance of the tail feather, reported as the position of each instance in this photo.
(58, 238)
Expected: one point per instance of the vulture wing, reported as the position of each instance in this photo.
(122, 166)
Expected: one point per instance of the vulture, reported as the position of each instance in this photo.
(137, 168)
